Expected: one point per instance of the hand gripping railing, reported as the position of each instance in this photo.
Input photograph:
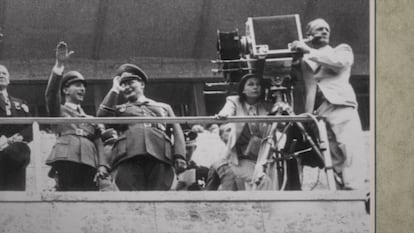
(36, 121)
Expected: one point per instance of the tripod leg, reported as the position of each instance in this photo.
(326, 155)
(309, 139)
(263, 170)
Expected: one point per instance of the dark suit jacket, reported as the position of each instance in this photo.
(87, 149)
(141, 139)
(19, 108)
(17, 153)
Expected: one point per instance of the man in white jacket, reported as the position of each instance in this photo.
(326, 71)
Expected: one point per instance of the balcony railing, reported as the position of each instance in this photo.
(36, 191)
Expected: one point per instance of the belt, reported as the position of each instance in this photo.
(155, 125)
(159, 126)
(78, 132)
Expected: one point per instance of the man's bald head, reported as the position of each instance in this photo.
(312, 25)
(320, 30)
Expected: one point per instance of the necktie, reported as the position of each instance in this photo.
(6, 103)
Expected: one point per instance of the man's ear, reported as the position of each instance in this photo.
(65, 90)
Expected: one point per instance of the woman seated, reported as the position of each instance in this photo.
(235, 171)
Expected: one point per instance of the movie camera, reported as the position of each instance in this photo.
(264, 50)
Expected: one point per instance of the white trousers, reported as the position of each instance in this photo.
(346, 142)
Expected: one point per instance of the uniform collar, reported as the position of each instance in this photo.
(72, 105)
(142, 99)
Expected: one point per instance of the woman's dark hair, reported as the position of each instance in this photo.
(243, 81)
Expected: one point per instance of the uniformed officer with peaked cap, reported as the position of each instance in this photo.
(145, 154)
(77, 158)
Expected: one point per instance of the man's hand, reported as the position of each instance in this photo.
(221, 116)
(180, 165)
(116, 86)
(300, 46)
(62, 54)
(101, 173)
(3, 142)
(15, 138)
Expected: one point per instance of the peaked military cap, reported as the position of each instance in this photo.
(72, 77)
(131, 71)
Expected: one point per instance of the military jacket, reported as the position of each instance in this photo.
(158, 140)
(78, 143)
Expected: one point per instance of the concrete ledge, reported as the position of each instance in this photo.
(183, 196)
(192, 212)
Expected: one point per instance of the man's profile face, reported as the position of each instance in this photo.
(4, 77)
(321, 33)
(76, 92)
(132, 89)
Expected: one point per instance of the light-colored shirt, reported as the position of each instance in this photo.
(251, 109)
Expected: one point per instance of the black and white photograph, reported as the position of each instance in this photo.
(187, 116)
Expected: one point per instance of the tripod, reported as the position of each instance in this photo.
(279, 162)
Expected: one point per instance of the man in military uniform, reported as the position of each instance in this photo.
(14, 152)
(144, 154)
(77, 158)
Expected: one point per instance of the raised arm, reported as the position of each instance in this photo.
(108, 105)
(229, 108)
(53, 93)
(336, 59)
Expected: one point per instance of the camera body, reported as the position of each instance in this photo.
(264, 51)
